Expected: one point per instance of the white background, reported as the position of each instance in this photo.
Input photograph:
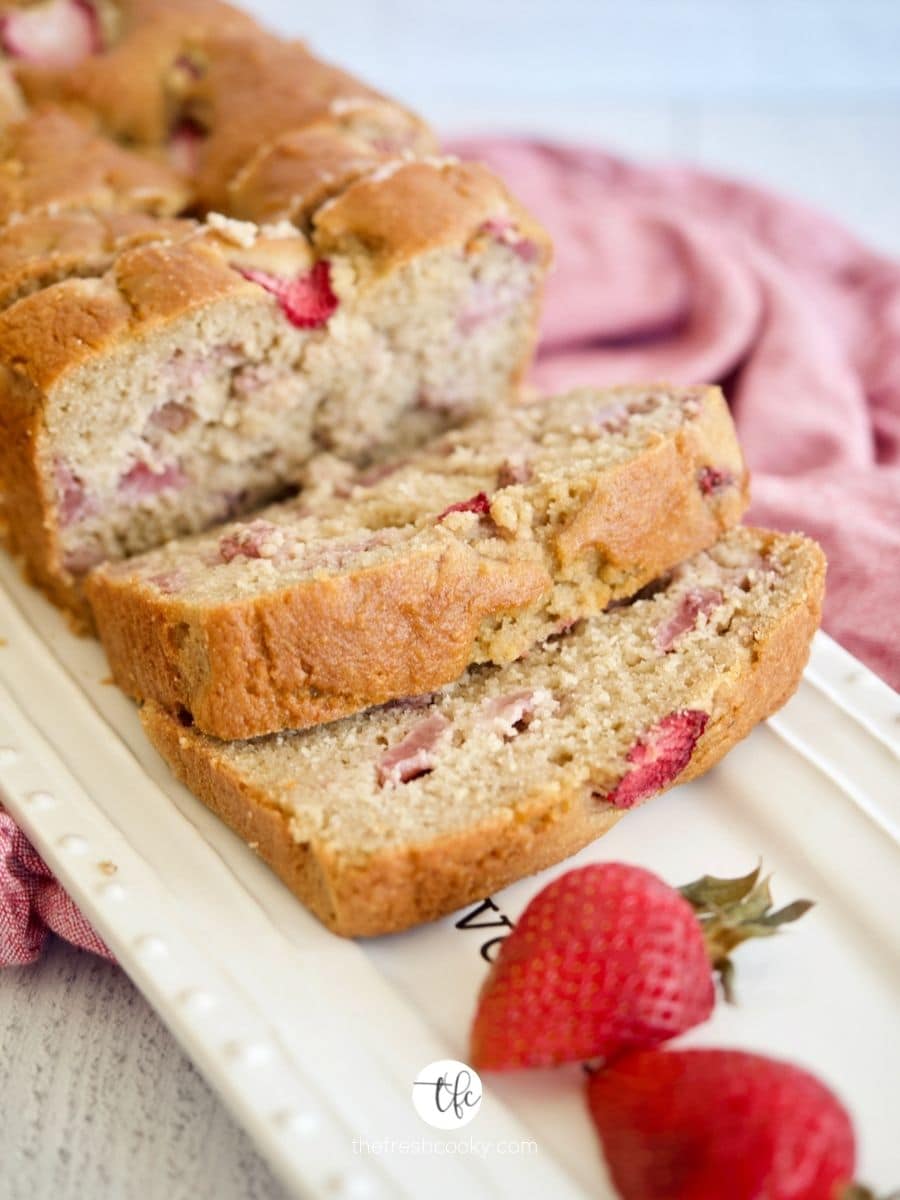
(801, 94)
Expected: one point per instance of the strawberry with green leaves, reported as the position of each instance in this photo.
(608, 959)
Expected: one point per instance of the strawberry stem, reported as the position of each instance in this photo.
(732, 911)
(857, 1191)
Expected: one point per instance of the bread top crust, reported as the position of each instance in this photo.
(132, 89)
(409, 207)
(232, 118)
(55, 330)
(294, 175)
(43, 248)
(49, 161)
(250, 90)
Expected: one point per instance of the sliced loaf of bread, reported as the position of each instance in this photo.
(390, 582)
(202, 85)
(193, 378)
(408, 811)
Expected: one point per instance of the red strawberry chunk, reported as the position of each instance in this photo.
(485, 304)
(712, 480)
(510, 714)
(59, 33)
(307, 301)
(189, 65)
(171, 417)
(512, 471)
(80, 559)
(143, 481)
(479, 503)
(612, 418)
(184, 146)
(256, 540)
(607, 959)
(706, 1124)
(526, 249)
(693, 603)
(504, 230)
(659, 756)
(167, 582)
(415, 754)
(72, 500)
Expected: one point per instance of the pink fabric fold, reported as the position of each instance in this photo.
(32, 904)
(672, 273)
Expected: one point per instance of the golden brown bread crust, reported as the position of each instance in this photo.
(411, 208)
(56, 329)
(252, 90)
(388, 892)
(134, 89)
(315, 652)
(45, 248)
(392, 891)
(50, 161)
(12, 102)
(288, 179)
(329, 647)
(25, 509)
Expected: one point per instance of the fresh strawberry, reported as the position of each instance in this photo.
(307, 301)
(608, 958)
(706, 1124)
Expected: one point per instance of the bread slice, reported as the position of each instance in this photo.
(193, 379)
(409, 811)
(390, 582)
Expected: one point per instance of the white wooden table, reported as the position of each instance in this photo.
(97, 1100)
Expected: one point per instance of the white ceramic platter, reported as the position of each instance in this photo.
(314, 1042)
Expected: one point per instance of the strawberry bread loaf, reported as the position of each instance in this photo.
(387, 582)
(200, 83)
(193, 376)
(411, 810)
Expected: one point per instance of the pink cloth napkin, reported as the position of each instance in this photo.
(670, 273)
(32, 904)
